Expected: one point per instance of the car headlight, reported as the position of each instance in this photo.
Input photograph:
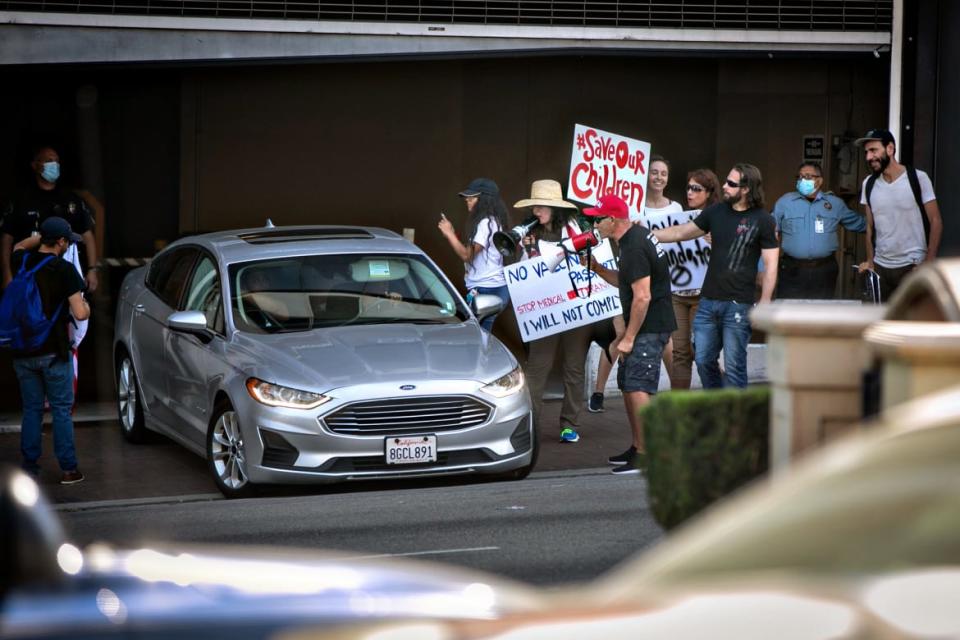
(505, 385)
(275, 395)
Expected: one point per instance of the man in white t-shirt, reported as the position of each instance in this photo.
(903, 220)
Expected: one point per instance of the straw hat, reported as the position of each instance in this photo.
(545, 193)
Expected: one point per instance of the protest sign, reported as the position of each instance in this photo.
(688, 259)
(547, 302)
(605, 163)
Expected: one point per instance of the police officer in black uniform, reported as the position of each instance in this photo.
(42, 199)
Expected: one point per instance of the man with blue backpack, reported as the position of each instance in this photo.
(35, 310)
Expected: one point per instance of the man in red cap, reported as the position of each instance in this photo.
(644, 282)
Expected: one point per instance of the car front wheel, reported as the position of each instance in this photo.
(226, 455)
(129, 409)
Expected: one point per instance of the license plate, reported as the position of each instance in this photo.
(411, 449)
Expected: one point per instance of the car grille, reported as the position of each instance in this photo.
(404, 416)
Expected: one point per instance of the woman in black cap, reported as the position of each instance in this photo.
(484, 264)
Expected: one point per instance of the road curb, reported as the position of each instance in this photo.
(134, 502)
(66, 507)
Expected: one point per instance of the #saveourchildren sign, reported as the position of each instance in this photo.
(546, 302)
(604, 163)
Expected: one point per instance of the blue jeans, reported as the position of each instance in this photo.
(722, 324)
(45, 376)
(501, 292)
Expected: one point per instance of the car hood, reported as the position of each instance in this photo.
(325, 359)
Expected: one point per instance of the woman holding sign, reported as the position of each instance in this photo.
(558, 220)
(487, 214)
(703, 190)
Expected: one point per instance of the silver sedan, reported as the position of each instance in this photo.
(316, 354)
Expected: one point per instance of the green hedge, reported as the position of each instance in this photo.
(701, 445)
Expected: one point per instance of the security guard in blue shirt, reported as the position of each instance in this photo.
(807, 220)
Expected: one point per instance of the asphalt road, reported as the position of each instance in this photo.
(552, 528)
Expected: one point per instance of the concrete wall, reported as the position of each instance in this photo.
(390, 143)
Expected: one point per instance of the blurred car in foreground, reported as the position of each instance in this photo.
(860, 540)
(51, 589)
(316, 354)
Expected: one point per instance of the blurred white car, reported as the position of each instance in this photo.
(860, 540)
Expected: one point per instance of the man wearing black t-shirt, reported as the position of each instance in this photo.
(43, 198)
(48, 370)
(743, 232)
(644, 282)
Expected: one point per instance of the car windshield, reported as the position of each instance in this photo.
(300, 293)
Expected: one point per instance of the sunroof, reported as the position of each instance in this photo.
(297, 235)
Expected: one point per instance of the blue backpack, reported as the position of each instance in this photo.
(23, 324)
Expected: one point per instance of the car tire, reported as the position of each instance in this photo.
(226, 456)
(129, 407)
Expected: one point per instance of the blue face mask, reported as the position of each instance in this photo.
(51, 171)
(806, 187)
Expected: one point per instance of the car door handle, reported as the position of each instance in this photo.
(139, 308)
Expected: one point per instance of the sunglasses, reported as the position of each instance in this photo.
(734, 185)
(695, 188)
(598, 219)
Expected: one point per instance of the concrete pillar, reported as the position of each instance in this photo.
(917, 358)
(815, 361)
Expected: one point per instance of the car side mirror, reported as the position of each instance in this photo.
(485, 305)
(193, 322)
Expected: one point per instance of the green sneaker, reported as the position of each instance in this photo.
(569, 435)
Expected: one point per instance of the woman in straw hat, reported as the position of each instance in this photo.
(558, 220)
(487, 214)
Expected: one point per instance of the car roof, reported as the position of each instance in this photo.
(240, 245)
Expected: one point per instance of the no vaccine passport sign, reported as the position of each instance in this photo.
(604, 163)
(549, 300)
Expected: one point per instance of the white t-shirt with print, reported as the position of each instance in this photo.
(900, 238)
(486, 268)
(673, 207)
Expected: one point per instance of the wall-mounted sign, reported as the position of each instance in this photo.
(813, 148)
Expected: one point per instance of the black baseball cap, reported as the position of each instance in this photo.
(481, 185)
(54, 228)
(882, 136)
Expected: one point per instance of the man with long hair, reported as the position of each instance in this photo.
(742, 232)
